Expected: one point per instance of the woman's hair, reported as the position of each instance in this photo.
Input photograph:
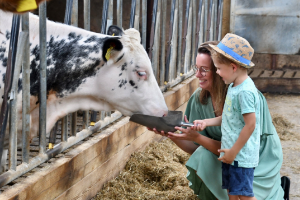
(219, 89)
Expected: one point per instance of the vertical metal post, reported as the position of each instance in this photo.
(155, 60)
(132, 13)
(212, 19)
(110, 16)
(163, 46)
(26, 91)
(193, 36)
(179, 46)
(220, 20)
(87, 26)
(206, 13)
(43, 78)
(153, 27)
(202, 27)
(104, 16)
(74, 15)
(13, 104)
(144, 23)
(215, 20)
(188, 25)
(119, 12)
(137, 15)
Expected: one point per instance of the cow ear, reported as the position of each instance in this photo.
(110, 46)
(115, 31)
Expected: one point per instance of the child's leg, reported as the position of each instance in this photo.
(233, 197)
(247, 198)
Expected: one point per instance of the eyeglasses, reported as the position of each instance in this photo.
(201, 69)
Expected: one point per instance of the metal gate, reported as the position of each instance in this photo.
(172, 50)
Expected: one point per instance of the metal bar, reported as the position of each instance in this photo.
(179, 46)
(185, 34)
(155, 60)
(199, 24)
(170, 45)
(73, 13)
(215, 20)
(172, 74)
(68, 12)
(137, 15)
(11, 175)
(87, 26)
(206, 18)
(202, 26)
(86, 13)
(193, 34)
(64, 128)
(43, 78)
(144, 22)
(119, 12)
(74, 123)
(163, 46)
(152, 33)
(104, 16)
(187, 55)
(110, 15)
(26, 92)
(13, 105)
(212, 19)
(132, 14)
(220, 20)
(209, 16)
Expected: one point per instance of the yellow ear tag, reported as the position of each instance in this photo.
(26, 5)
(107, 55)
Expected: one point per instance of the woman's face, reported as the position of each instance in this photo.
(204, 61)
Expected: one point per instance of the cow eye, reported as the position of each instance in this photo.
(141, 73)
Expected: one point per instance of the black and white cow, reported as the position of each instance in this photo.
(81, 77)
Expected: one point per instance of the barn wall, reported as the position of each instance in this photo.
(81, 173)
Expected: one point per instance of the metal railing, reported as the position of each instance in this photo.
(172, 49)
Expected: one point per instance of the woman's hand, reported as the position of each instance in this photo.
(186, 134)
(162, 133)
(228, 157)
(199, 125)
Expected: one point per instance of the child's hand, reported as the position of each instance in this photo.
(199, 125)
(228, 156)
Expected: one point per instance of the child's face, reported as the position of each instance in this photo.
(225, 71)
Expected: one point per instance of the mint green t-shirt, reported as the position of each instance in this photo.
(240, 100)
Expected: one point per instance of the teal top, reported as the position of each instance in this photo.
(240, 100)
(205, 165)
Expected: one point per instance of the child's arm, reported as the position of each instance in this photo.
(200, 125)
(245, 134)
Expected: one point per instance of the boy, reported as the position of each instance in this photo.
(240, 123)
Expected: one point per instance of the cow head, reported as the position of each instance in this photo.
(133, 87)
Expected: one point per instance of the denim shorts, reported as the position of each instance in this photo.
(237, 180)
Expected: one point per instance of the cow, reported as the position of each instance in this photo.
(85, 71)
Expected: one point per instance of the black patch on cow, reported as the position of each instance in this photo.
(120, 58)
(7, 35)
(132, 83)
(120, 74)
(66, 59)
(124, 66)
(122, 83)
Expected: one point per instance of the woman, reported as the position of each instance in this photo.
(204, 169)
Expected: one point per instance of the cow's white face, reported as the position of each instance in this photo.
(130, 83)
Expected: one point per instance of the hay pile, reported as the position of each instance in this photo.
(158, 172)
(283, 127)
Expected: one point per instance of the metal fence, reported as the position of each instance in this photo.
(173, 42)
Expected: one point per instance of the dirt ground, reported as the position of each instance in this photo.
(288, 106)
(140, 180)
